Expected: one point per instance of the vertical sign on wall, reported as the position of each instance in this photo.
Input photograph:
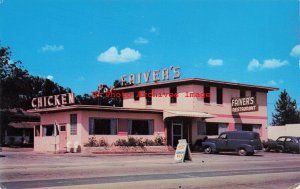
(182, 152)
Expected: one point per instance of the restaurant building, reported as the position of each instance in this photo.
(175, 109)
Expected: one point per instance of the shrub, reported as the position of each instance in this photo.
(102, 142)
(159, 141)
(131, 141)
(149, 142)
(92, 142)
(120, 142)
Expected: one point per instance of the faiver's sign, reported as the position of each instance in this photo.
(246, 104)
(54, 100)
(156, 75)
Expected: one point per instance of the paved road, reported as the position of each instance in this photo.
(267, 170)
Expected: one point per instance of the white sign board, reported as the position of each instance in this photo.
(182, 152)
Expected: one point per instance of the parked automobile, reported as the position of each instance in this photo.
(284, 144)
(198, 144)
(242, 142)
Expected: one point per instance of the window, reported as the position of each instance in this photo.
(281, 139)
(136, 96)
(37, 130)
(73, 124)
(212, 129)
(247, 127)
(103, 126)
(148, 97)
(207, 94)
(11, 131)
(140, 127)
(204, 128)
(242, 93)
(253, 93)
(173, 94)
(63, 128)
(219, 95)
(223, 136)
(48, 130)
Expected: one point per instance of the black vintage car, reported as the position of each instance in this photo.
(242, 142)
(284, 144)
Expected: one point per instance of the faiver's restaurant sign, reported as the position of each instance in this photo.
(246, 104)
(53, 100)
(155, 75)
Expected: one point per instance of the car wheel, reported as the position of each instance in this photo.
(242, 152)
(207, 150)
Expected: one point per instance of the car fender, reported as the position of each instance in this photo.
(210, 144)
(247, 147)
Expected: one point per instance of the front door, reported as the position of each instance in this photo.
(63, 138)
(176, 133)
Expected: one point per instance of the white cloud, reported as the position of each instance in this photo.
(274, 63)
(254, 64)
(141, 40)
(154, 29)
(52, 48)
(81, 78)
(50, 77)
(295, 51)
(272, 83)
(267, 64)
(215, 62)
(113, 56)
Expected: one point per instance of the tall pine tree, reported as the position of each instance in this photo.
(286, 111)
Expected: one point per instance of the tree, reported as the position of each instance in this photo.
(18, 87)
(286, 111)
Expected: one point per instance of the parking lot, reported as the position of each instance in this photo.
(27, 169)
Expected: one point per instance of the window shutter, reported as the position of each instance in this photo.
(129, 126)
(256, 128)
(150, 127)
(238, 127)
(201, 128)
(113, 126)
(222, 128)
(91, 126)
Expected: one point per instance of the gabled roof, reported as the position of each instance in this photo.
(197, 81)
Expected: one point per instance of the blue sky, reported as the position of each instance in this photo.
(79, 44)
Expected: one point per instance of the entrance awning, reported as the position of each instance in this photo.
(168, 114)
(23, 125)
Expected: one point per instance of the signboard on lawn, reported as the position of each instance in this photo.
(182, 152)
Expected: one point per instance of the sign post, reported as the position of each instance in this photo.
(182, 152)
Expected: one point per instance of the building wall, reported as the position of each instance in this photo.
(221, 111)
(286, 130)
(47, 143)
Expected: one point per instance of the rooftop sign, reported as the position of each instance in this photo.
(246, 104)
(53, 100)
(155, 75)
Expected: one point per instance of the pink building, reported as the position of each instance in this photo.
(200, 107)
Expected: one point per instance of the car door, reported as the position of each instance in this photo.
(222, 142)
(290, 144)
(280, 143)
